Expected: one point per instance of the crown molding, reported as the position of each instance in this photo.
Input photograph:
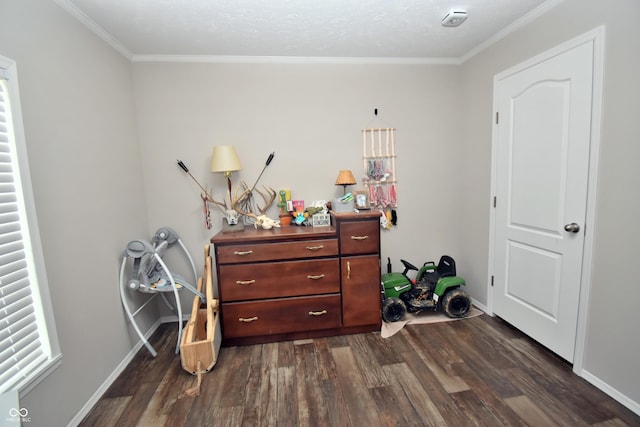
(293, 59)
(516, 25)
(118, 46)
(93, 26)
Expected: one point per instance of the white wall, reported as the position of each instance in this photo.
(103, 141)
(311, 115)
(612, 343)
(79, 120)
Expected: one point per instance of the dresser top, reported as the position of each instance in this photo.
(292, 232)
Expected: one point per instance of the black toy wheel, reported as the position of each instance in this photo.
(393, 310)
(456, 303)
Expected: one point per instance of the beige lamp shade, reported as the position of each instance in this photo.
(225, 159)
(345, 177)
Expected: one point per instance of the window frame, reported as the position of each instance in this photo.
(31, 238)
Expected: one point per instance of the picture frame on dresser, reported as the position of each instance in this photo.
(361, 199)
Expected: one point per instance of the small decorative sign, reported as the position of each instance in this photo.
(321, 220)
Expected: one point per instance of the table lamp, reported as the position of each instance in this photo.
(345, 177)
(225, 159)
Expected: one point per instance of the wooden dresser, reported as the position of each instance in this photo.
(300, 282)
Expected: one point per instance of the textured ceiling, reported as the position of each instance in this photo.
(409, 29)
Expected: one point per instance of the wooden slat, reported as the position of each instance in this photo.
(363, 410)
(285, 406)
(261, 386)
(311, 401)
(471, 406)
(372, 373)
(450, 382)
(529, 411)
(404, 383)
(107, 411)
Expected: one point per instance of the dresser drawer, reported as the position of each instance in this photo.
(266, 317)
(241, 282)
(359, 237)
(252, 252)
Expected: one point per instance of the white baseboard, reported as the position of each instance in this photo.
(111, 378)
(121, 367)
(479, 306)
(595, 381)
(612, 392)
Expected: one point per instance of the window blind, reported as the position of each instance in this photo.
(22, 348)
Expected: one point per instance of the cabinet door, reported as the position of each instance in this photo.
(360, 290)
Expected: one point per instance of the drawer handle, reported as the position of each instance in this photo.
(317, 313)
(248, 319)
(359, 237)
(245, 282)
(315, 248)
(316, 277)
(242, 253)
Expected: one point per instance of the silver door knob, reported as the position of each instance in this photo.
(572, 228)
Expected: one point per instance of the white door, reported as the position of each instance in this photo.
(541, 169)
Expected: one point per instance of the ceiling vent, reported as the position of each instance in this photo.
(454, 17)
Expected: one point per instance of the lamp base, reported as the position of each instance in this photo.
(226, 228)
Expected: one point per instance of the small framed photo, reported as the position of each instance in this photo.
(361, 199)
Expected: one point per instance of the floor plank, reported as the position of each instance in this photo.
(472, 372)
(362, 409)
(372, 373)
(311, 408)
(451, 382)
(404, 382)
(107, 411)
(284, 410)
(529, 411)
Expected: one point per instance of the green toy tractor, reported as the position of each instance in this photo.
(434, 288)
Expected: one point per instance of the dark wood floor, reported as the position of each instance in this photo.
(472, 372)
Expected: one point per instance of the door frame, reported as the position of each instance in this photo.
(595, 36)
